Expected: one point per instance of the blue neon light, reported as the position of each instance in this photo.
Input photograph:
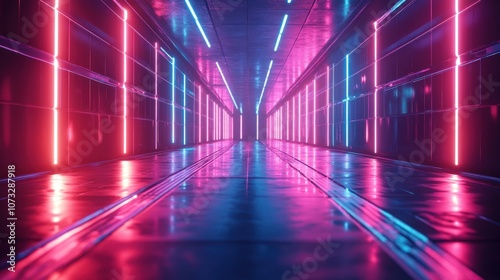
(184, 109)
(264, 87)
(281, 32)
(227, 86)
(347, 101)
(289, 1)
(198, 23)
(173, 100)
(163, 50)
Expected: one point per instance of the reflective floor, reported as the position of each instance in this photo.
(249, 214)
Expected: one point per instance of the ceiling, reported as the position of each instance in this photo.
(243, 33)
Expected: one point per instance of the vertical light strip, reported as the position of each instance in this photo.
(288, 120)
(173, 99)
(307, 114)
(299, 117)
(293, 119)
(257, 115)
(347, 100)
(327, 106)
(55, 144)
(208, 112)
(241, 126)
(214, 125)
(156, 95)
(199, 113)
(375, 80)
(125, 16)
(314, 110)
(184, 109)
(333, 104)
(457, 65)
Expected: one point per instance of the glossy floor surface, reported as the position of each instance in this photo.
(249, 214)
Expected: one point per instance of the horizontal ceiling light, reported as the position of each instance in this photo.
(198, 23)
(227, 86)
(281, 32)
(264, 87)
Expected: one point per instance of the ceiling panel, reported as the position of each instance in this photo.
(243, 34)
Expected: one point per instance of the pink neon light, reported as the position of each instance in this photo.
(457, 64)
(293, 118)
(300, 116)
(288, 121)
(55, 143)
(125, 16)
(314, 111)
(241, 126)
(327, 106)
(207, 118)
(199, 114)
(307, 115)
(375, 81)
(156, 95)
(214, 127)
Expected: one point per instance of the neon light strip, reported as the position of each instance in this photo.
(307, 113)
(198, 23)
(125, 16)
(375, 74)
(281, 32)
(300, 117)
(184, 109)
(227, 86)
(55, 144)
(241, 126)
(289, 1)
(199, 113)
(288, 120)
(156, 95)
(264, 87)
(165, 52)
(207, 118)
(257, 116)
(173, 100)
(333, 104)
(327, 106)
(314, 111)
(293, 118)
(347, 101)
(457, 65)
(396, 6)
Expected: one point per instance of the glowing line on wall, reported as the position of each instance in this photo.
(241, 126)
(457, 65)
(375, 79)
(288, 120)
(173, 100)
(293, 118)
(327, 106)
(347, 101)
(299, 138)
(184, 109)
(156, 95)
(55, 144)
(208, 112)
(314, 111)
(257, 115)
(125, 16)
(199, 113)
(307, 114)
